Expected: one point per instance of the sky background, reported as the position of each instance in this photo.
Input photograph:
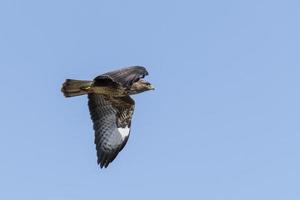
(222, 124)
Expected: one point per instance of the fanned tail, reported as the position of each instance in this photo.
(71, 87)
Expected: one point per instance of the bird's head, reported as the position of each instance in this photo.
(140, 86)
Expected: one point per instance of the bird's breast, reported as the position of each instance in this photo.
(111, 91)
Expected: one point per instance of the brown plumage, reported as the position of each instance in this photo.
(111, 107)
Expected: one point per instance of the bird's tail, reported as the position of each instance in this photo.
(71, 88)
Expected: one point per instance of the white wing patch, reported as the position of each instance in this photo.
(124, 132)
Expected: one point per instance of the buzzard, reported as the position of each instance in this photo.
(111, 107)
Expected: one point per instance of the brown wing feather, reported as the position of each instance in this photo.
(108, 115)
(126, 76)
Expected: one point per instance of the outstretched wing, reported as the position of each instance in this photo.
(111, 118)
(126, 76)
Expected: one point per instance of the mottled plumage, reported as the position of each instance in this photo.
(111, 107)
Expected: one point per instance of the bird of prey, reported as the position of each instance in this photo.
(111, 107)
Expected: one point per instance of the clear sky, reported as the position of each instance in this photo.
(222, 124)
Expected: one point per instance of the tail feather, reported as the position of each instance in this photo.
(73, 87)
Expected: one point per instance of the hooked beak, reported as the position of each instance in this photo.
(152, 87)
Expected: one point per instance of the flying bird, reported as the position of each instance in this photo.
(111, 107)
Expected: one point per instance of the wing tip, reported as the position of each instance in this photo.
(136, 67)
(145, 72)
(105, 158)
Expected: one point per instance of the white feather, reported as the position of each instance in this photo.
(124, 132)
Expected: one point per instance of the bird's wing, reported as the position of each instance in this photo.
(111, 118)
(126, 76)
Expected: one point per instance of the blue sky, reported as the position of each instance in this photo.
(222, 124)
